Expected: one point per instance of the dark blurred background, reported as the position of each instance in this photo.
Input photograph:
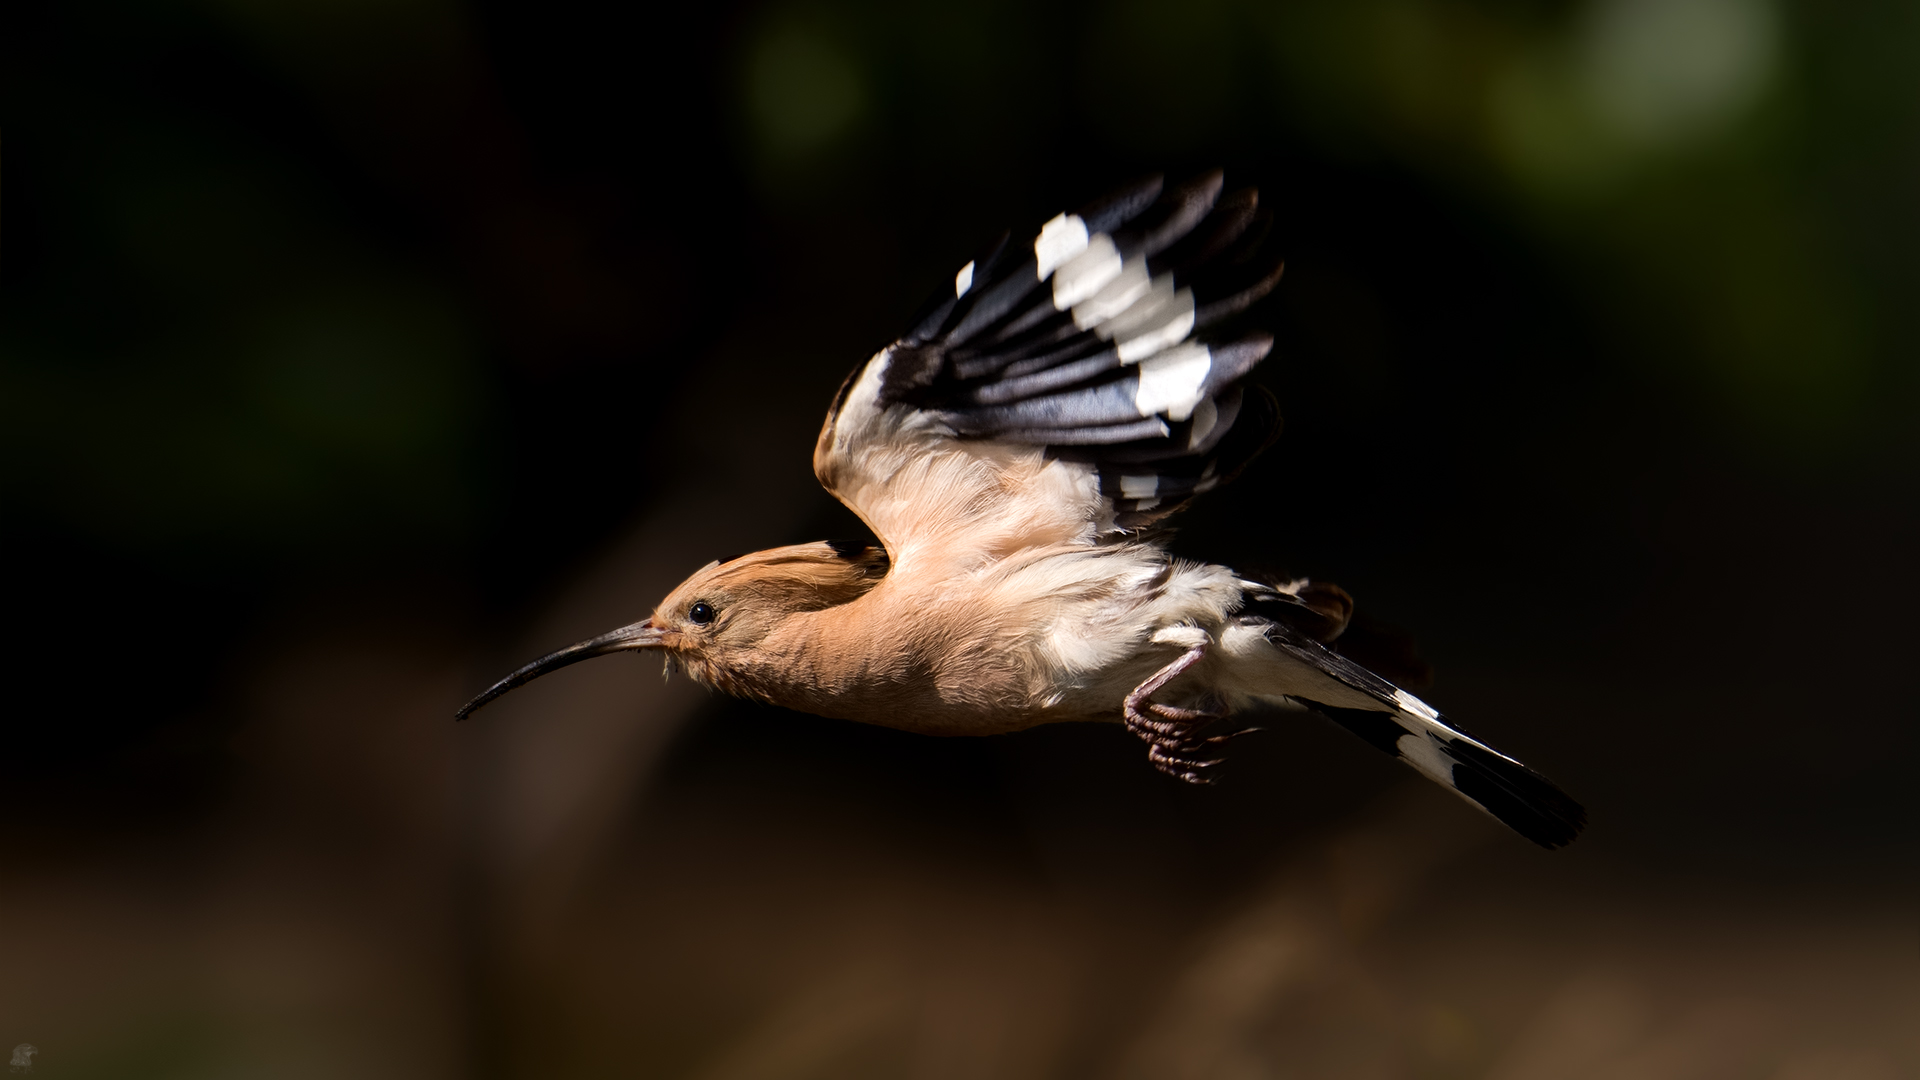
(354, 352)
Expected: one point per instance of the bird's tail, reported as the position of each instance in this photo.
(1523, 800)
(1397, 723)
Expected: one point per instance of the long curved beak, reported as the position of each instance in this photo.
(640, 635)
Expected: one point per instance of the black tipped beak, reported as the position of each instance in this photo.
(640, 635)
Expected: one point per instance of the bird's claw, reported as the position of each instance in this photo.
(1171, 732)
(1181, 767)
(1177, 722)
(1172, 747)
(1185, 717)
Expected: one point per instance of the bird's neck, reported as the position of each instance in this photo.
(820, 662)
(880, 660)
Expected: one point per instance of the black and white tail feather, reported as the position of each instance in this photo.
(1404, 727)
(1095, 342)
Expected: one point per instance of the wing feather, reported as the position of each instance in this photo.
(1064, 390)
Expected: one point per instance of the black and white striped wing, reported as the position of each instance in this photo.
(1082, 367)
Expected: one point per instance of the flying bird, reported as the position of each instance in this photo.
(1016, 452)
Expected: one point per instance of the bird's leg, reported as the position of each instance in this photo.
(1169, 730)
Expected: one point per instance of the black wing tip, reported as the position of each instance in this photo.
(1123, 203)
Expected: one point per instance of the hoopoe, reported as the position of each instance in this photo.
(1014, 453)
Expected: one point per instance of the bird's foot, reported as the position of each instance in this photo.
(1171, 732)
(1176, 748)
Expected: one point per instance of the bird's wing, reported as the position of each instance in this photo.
(1066, 389)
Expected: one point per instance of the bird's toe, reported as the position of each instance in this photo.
(1186, 717)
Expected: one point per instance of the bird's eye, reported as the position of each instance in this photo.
(701, 613)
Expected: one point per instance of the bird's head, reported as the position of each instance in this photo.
(717, 617)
